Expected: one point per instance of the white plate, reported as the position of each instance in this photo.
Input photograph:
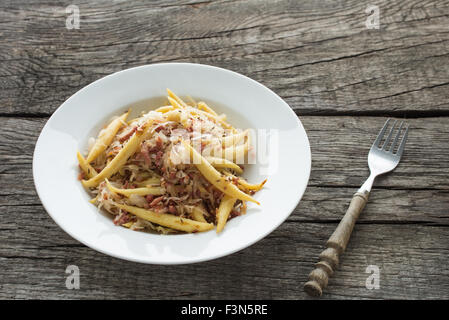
(247, 103)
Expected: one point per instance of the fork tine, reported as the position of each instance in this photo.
(393, 145)
(402, 145)
(381, 134)
(387, 141)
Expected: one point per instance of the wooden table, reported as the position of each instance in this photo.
(341, 78)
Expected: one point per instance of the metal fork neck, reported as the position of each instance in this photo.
(366, 187)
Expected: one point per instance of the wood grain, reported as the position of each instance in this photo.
(318, 56)
(341, 79)
(410, 258)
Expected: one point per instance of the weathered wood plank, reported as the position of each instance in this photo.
(339, 152)
(318, 55)
(430, 207)
(340, 147)
(411, 259)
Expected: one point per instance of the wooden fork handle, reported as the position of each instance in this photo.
(336, 245)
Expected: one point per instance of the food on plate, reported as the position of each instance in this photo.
(174, 169)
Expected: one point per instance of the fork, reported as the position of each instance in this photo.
(382, 158)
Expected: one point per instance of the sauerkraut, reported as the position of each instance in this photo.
(158, 176)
